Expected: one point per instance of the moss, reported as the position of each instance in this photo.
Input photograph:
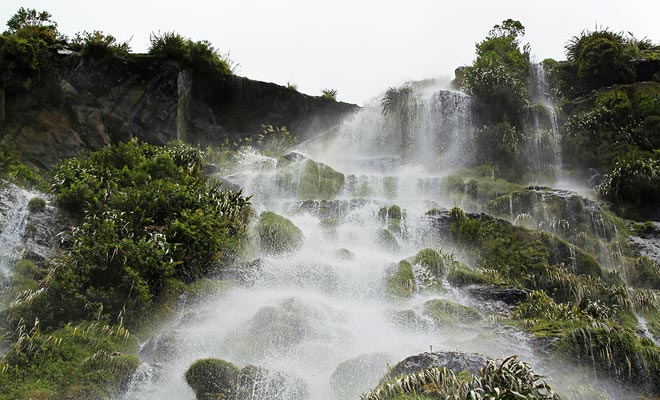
(211, 378)
(432, 261)
(278, 235)
(390, 187)
(444, 312)
(401, 280)
(319, 181)
(387, 241)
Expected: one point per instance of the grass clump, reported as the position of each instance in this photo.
(444, 312)
(36, 204)
(200, 56)
(509, 378)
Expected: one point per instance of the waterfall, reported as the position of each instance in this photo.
(13, 220)
(544, 148)
(312, 311)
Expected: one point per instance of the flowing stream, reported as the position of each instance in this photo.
(308, 312)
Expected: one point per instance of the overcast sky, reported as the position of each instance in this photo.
(357, 47)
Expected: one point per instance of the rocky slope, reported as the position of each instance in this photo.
(83, 104)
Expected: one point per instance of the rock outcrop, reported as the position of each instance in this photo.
(80, 104)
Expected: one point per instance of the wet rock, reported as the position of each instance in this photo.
(648, 242)
(328, 209)
(508, 295)
(358, 375)
(161, 348)
(410, 320)
(278, 235)
(444, 312)
(453, 360)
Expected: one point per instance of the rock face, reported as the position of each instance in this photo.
(453, 360)
(82, 104)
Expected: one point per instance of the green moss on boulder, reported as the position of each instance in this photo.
(444, 312)
(212, 378)
(401, 280)
(277, 234)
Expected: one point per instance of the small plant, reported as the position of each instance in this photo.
(36, 204)
(292, 86)
(329, 94)
(99, 45)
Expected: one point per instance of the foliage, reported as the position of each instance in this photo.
(397, 101)
(148, 214)
(292, 86)
(635, 179)
(28, 17)
(278, 235)
(329, 94)
(401, 280)
(76, 361)
(509, 378)
(644, 273)
(99, 45)
(36, 204)
(200, 55)
(599, 58)
(498, 75)
(212, 378)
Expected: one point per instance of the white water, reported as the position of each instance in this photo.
(306, 312)
(544, 150)
(13, 221)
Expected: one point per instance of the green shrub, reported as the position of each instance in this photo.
(401, 280)
(201, 56)
(506, 379)
(99, 45)
(329, 94)
(599, 58)
(635, 179)
(36, 204)
(81, 361)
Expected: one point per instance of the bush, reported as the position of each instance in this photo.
(149, 215)
(599, 58)
(36, 204)
(99, 45)
(200, 56)
(635, 180)
(329, 94)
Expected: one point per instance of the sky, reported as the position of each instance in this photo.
(360, 48)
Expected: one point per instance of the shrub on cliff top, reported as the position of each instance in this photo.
(201, 56)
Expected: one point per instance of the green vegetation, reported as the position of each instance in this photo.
(73, 362)
(329, 94)
(201, 56)
(148, 214)
(498, 75)
(509, 378)
(401, 280)
(444, 312)
(99, 45)
(212, 378)
(278, 235)
(318, 181)
(36, 204)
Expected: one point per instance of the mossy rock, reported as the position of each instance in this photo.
(345, 254)
(432, 261)
(387, 240)
(319, 181)
(444, 312)
(36, 204)
(278, 235)
(212, 378)
(461, 275)
(401, 280)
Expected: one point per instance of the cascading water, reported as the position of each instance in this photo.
(310, 312)
(544, 150)
(12, 226)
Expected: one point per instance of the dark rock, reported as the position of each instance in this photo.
(508, 295)
(82, 105)
(453, 360)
